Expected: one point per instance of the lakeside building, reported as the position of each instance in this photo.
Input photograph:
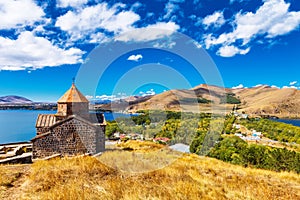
(71, 131)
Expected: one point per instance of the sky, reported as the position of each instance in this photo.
(116, 49)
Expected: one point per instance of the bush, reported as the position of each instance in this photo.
(237, 151)
(230, 99)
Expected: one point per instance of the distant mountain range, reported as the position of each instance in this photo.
(260, 100)
(12, 99)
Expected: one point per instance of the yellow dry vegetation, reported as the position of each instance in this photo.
(256, 101)
(139, 146)
(186, 177)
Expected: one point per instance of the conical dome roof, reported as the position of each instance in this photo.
(73, 95)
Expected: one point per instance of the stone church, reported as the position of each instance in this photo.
(72, 130)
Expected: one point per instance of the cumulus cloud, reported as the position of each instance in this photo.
(84, 22)
(31, 52)
(89, 96)
(107, 97)
(147, 93)
(165, 44)
(136, 6)
(170, 8)
(113, 97)
(240, 86)
(274, 86)
(291, 86)
(216, 20)
(197, 44)
(19, 13)
(229, 51)
(272, 19)
(150, 32)
(293, 82)
(98, 38)
(71, 3)
(135, 58)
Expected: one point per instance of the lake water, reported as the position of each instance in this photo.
(295, 122)
(19, 125)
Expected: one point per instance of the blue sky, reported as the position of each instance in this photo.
(44, 44)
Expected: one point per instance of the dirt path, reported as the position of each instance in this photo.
(16, 176)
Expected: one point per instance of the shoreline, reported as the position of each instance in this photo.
(14, 143)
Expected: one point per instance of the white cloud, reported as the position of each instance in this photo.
(169, 44)
(293, 82)
(240, 86)
(291, 87)
(107, 97)
(136, 6)
(274, 86)
(19, 13)
(89, 96)
(71, 3)
(31, 52)
(135, 58)
(170, 8)
(216, 20)
(98, 38)
(111, 97)
(197, 44)
(258, 85)
(149, 33)
(84, 22)
(229, 51)
(147, 93)
(272, 19)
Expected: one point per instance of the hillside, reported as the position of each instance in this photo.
(12, 99)
(186, 177)
(262, 100)
(265, 100)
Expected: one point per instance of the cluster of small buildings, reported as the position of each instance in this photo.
(245, 134)
(240, 115)
(123, 136)
(136, 136)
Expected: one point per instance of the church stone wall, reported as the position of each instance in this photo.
(72, 137)
(42, 130)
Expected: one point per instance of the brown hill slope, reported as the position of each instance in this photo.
(262, 100)
(188, 177)
(265, 100)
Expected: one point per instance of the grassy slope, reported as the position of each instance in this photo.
(257, 100)
(272, 101)
(188, 177)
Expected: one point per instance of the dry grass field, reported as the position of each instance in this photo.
(260, 100)
(187, 176)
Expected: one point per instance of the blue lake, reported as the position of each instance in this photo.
(19, 125)
(295, 122)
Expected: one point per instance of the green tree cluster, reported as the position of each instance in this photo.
(274, 130)
(230, 99)
(236, 151)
